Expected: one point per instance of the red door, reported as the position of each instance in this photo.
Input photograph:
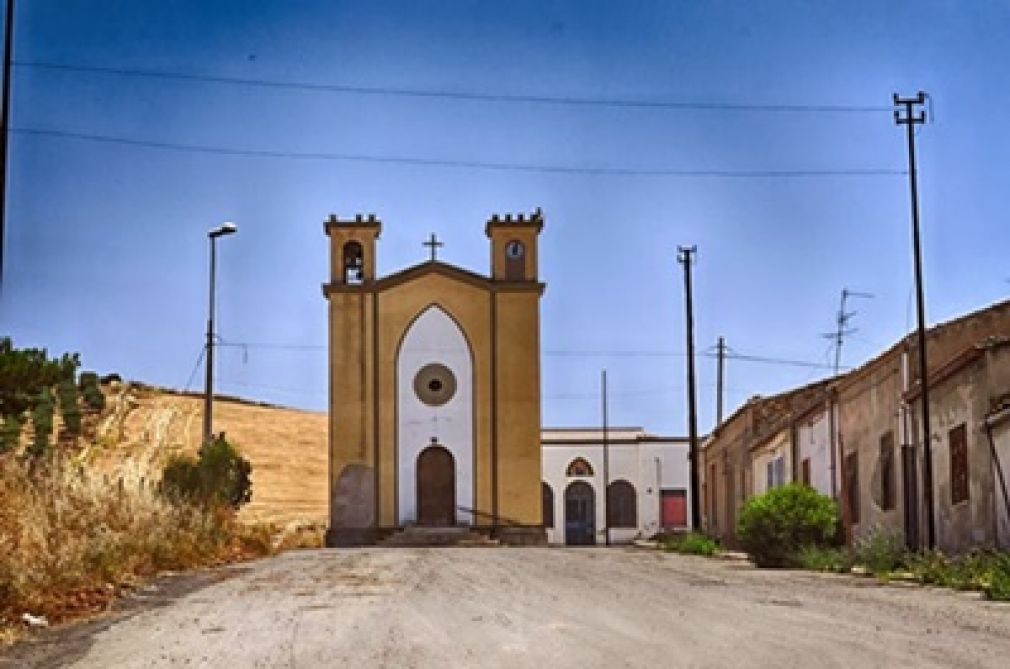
(674, 508)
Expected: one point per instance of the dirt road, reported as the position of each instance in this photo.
(529, 607)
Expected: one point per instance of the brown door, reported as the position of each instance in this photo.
(436, 487)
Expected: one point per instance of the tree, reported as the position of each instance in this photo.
(69, 408)
(24, 373)
(42, 423)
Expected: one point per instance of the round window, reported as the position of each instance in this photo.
(434, 384)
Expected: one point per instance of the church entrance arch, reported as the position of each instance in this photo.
(436, 487)
(580, 514)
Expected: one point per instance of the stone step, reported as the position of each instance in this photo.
(437, 536)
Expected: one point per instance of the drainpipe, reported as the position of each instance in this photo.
(999, 467)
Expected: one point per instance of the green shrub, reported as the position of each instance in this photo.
(775, 527)
(94, 399)
(218, 477)
(998, 587)
(42, 424)
(693, 543)
(10, 433)
(825, 558)
(881, 551)
(66, 391)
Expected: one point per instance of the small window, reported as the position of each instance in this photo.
(776, 472)
(887, 482)
(957, 440)
(579, 467)
(548, 502)
(852, 486)
(621, 505)
(805, 471)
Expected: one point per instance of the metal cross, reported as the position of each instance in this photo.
(433, 244)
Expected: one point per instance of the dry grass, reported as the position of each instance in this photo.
(287, 449)
(68, 543)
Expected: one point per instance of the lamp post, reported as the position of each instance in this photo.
(208, 392)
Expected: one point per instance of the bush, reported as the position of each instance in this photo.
(881, 551)
(775, 527)
(691, 544)
(94, 399)
(218, 477)
(66, 391)
(42, 424)
(821, 558)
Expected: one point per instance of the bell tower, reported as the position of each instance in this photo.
(514, 246)
(352, 249)
(351, 293)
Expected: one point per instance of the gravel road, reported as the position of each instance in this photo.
(528, 607)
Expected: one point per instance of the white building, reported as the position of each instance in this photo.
(648, 479)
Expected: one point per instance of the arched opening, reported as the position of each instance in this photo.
(547, 500)
(354, 263)
(436, 487)
(622, 505)
(579, 467)
(580, 514)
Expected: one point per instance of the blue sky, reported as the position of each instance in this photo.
(106, 245)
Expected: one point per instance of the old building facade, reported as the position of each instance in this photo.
(630, 485)
(856, 438)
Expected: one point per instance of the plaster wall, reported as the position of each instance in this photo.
(434, 338)
(869, 407)
(961, 400)
(776, 447)
(813, 441)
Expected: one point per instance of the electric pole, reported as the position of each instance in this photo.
(606, 454)
(5, 112)
(720, 366)
(684, 257)
(910, 119)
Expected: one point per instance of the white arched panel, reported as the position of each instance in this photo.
(434, 338)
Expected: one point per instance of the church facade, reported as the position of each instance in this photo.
(434, 386)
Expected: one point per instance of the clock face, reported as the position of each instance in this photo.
(514, 249)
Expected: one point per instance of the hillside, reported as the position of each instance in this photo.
(143, 426)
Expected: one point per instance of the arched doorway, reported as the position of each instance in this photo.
(580, 514)
(436, 487)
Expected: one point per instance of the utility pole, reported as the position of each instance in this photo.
(910, 119)
(720, 367)
(684, 257)
(606, 455)
(5, 112)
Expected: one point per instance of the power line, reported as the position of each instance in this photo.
(441, 162)
(586, 353)
(471, 96)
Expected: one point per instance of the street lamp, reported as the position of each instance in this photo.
(208, 392)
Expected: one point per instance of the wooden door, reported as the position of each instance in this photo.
(436, 487)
